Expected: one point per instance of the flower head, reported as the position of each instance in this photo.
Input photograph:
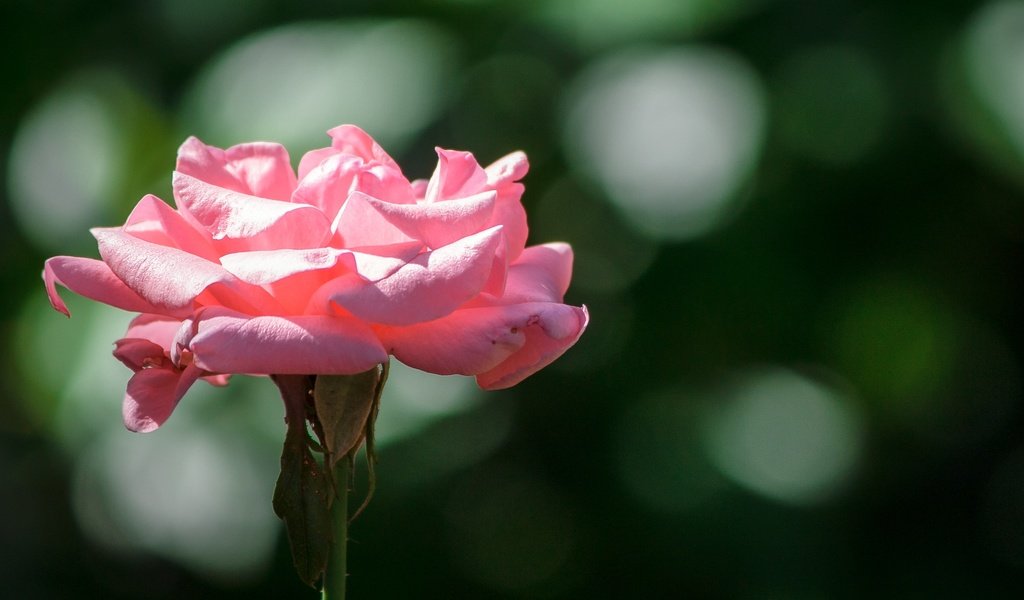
(260, 270)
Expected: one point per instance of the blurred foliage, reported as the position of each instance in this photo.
(798, 227)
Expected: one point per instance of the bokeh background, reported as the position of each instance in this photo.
(798, 227)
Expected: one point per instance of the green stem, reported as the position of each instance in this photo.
(334, 577)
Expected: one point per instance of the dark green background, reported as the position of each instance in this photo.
(875, 250)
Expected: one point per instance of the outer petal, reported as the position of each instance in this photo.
(94, 280)
(154, 221)
(259, 168)
(430, 286)
(152, 395)
(500, 344)
(510, 214)
(173, 280)
(156, 328)
(242, 222)
(439, 223)
(541, 274)
(228, 342)
(138, 354)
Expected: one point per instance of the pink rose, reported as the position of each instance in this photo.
(259, 271)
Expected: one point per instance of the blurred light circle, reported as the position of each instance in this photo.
(670, 134)
(415, 399)
(832, 104)
(292, 83)
(994, 54)
(187, 493)
(66, 160)
(785, 436)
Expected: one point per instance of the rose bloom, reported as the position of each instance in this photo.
(260, 271)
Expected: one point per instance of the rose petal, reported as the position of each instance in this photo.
(94, 280)
(155, 328)
(152, 395)
(239, 222)
(508, 168)
(546, 340)
(541, 274)
(313, 159)
(154, 221)
(228, 342)
(430, 286)
(457, 175)
(440, 223)
(137, 354)
(353, 140)
(260, 168)
(360, 224)
(500, 344)
(262, 267)
(174, 280)
(291, 276)
(510, 214)
(327, 185)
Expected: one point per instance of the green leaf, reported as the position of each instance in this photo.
(302, 495)
(344, 405)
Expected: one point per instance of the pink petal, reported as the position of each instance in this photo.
(430, 286)
(155, 328)
(508, 168)
(241, 222)
(291, 276)
(152, 395)
(360, 224)
(154, 221)
(227, 342)
(138, 354)
(174, 280)
(353, 140)
(541, 274)
(313, 158)
(262, 267)
(328, 184)
(545, 342)
(419, 188)
(374, 263)
(510, 214)
(259, 168)
(457, 175)
(94, 280)
(439, 223)
(501, 344)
